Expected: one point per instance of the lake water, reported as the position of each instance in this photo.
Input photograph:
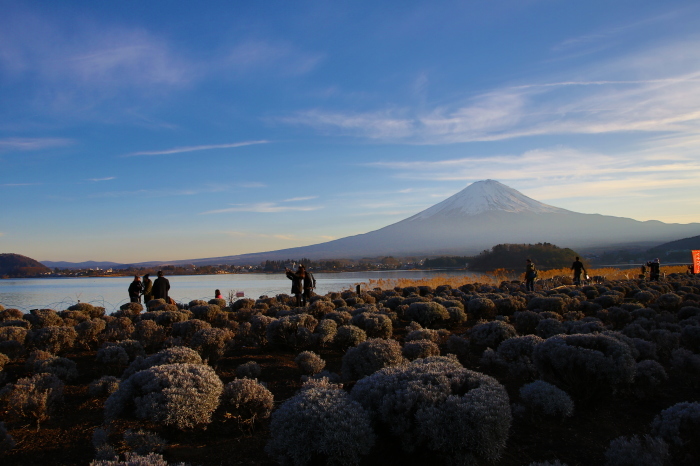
(111, 292)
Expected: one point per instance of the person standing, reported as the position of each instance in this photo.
(654, 270)
(309, 285)
(530, 275)
(147, 289)
(297, 279)
(578, 268)
(135, 290)
(161, 287)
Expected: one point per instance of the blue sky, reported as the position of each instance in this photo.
(161, 130)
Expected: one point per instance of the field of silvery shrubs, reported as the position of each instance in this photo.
(481, 374)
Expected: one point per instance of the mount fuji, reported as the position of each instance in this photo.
(480, 216)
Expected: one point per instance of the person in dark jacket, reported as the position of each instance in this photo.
(578, 268)
(297, 279)
(654, 270)
(147, 289)
(161, 287)
(309, 285)
(530, 275)
(135, 290)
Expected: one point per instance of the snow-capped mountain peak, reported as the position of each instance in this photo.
(484, 196)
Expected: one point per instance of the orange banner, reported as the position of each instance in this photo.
(696, 261)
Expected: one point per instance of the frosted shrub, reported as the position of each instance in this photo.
(63, 368)
(134, 459)
(325, 332)
(174, 355)
(250, 370)
(669, 302)
(180, 395)
(458, 346)
(207, 312)
(258, 328)
(149, 334)
(53, 339)
(112, 355)
(584, 326)
(320, 421)
(436, 402)
(348, 336)
(217, 302)
(339, 317)
(650, 375)
(482, 308)
(542, 397)
(105, 385)
(319, 308)
(89, 331)
(374, 324)
(549, 327)
(309, 362)
(210, 343)
(636, 450)
(143, 442)
(491, 334)
(4, 360)
(678, 425)
(12, 340)
(516, 355)
(423, 334)
(186, 329)
(246, 400)
(585, 365)
(468, 428)
(130, 310)
(370, 356)
(119, 328)
(685, 362)
(415, 349)
(36, 397)
(507, 306)
(427, 314)
(526, 322)
(457, 315)
(295, 331)
(666, 342)
(690, 338)
(10, 314)
(41, 318)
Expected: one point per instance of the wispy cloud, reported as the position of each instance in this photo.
(298, 199)
(10, 185)
(180, 150)
(27, 144)
(651, 92)
(254, 55)
(262, 207)
(102, 179)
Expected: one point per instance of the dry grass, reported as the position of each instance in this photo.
(497, 276)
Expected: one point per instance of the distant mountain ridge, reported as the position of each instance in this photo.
(678, 245)
(480, 216)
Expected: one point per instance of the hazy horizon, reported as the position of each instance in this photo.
(153, 131)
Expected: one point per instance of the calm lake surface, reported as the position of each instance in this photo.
(111, 292)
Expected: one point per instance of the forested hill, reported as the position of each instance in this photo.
(16, 265)
(513, 256)
(681, 244)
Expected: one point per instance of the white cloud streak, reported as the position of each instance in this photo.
(29, 144)
(180, 150)
(262, 207)
(108, 178)
(657, 91)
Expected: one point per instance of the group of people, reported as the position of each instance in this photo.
(531, 273)
(654, 270)
(303, 284)
(157, 289)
